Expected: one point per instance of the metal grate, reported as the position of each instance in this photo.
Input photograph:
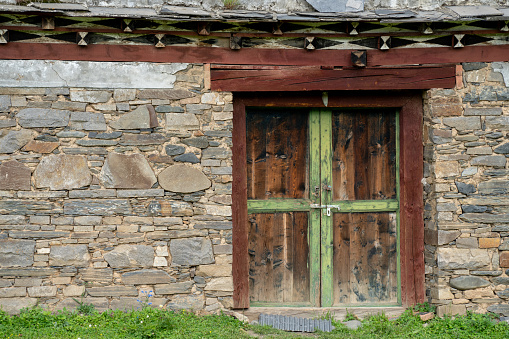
(294, 324)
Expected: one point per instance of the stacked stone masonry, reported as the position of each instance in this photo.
(107, 194)
(466, 186)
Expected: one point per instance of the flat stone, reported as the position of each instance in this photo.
(214, 225)
(486, 218)
(183, 179)
(69, 105)
(487, 273)
(129, 304)
(169, 109)
(15, 176)
(492, 187)
(181, 121)
(468, 283)
(62, 172)
(69, 255)
(198, 142)
(27, 272)
(123, 94)
(187, 157)
(14, 140)
(142, 117)
(143, 139)
(473, 66)
(503, 294)
(191, 251)
(175, 288)
(41, 117)
(112, 291)
(16, 252)
(106, 136)
(446, 106)
(498, 122)
(88, 121)
(92, 97)
(146, 277)
(96, 143)
(499, 309)
(502, 149)
(220, 270)
(102, 275)
(24, 207)
(484, 111)
(73, 291)
(463, 123)
(42, 291)
(174, 149)
(13, 306)
(153, 192)
(504, 259)
(455, 258)
(130, 256)
(38, 234)
(220, 284)
(451, 310)
(162, 159)
(465, 188)
(12, 292)
(40, 147)
(216, 153)
(105, 207)
(489, 160)
(6, 123)
(489, 242)
(445, 237)
(5, 103)
(473, 209)
(127, 171)
(186, 302)
(171, 94)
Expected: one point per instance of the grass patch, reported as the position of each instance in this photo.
(160, 323)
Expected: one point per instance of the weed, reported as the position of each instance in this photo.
(424, 307)
(144, 300)
(350, 316)
(231, 4)
(84, 307)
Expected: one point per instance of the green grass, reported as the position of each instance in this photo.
(159, 323)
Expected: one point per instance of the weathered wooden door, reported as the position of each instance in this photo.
(322, 207)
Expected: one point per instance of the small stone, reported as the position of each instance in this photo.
(451, 310)
(198, 142)
(40, 147)
(69, 255)
(92, 97)
(187, 157)
(446, 106)
(183, 179)
(497, 122)
(175, 288)
(88, 121)
(171, 94)
(40, 117)
(504, 259)
(5, 103)
(124, 94)
(15, 176)
(127, 171)
(500, 309)
(487, 273)
(42, 291)
(104, 207)
(489, 242)
(502, 149)
(6, 123)
(465, 188)
(455, 258)
(181, 121)
(16, 252)
(146, 277)
(112, 291)
(174, 149)
(160, 262)
(71, 134)
(107, 136)
(220, 284)
(143, 139)
(191, 251)
(14, 140)
(73, 291)
(487, 160)
(445, 169)
(463, 123)
(130, 256)
(473, 209)
(169, 109)
(142, 117)
(62, 172)
(186, 302)
(216, 153)
(484, 111)
(468, 283)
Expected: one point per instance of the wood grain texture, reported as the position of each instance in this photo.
(365, 258)
(312, 78)
(364, 154)
(277, 154)
(250, 56)
(240, 265)
(279, 257)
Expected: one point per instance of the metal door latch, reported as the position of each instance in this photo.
(326, 207)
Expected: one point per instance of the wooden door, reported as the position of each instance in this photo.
(322, 207)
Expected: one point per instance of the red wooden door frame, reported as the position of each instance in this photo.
(411, 170)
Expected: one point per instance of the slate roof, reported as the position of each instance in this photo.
(166, 12)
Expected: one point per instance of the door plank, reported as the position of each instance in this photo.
(279, 258)
(365, 258)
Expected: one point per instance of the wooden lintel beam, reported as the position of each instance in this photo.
(252, 56)
(318, 79)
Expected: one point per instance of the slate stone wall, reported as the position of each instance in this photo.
(466, 183)
(110, 193)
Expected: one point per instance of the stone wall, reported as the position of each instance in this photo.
(110, 193)
(466, 191)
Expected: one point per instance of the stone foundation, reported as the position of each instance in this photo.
(107, 194)
(466, 184)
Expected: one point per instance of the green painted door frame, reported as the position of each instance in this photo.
(321, 206)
